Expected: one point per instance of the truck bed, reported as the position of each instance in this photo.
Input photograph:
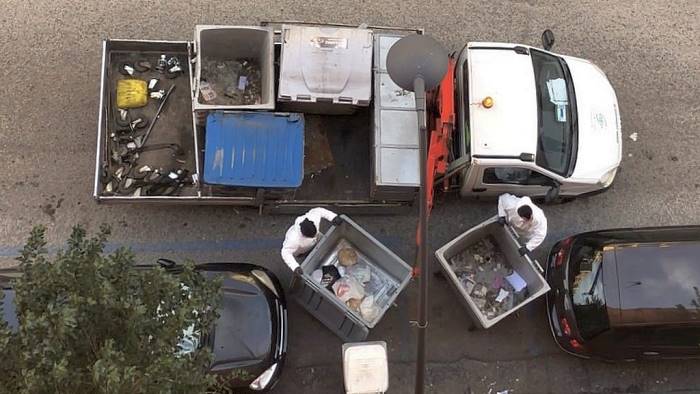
(344, 174)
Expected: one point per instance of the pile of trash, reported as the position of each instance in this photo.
(230, 82)
(358, 284)
(486, 276)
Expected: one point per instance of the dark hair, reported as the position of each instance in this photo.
(308, 228)
(525, 212)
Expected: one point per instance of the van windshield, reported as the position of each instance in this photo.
(556, 114)
(588, 298)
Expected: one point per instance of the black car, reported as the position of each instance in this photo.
(248, 340)
(627, 294)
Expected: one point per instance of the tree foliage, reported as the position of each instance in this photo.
(94, 323)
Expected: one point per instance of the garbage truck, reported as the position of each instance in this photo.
(287, 116)
(523, 120)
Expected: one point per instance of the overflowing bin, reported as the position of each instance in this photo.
(235, 68)
(369, 278)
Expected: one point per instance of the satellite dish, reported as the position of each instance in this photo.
(416, 56)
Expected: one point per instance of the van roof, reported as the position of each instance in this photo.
(658, 282)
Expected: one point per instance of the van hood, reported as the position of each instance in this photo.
(509, 127)
(599, 131)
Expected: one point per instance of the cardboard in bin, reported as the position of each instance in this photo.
(507, 242)
(324, 305)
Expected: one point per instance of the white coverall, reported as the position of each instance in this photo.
(532, 231)
(295, 243)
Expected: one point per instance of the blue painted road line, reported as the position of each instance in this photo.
(242, 245)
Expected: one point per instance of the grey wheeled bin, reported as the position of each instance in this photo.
(389, 276)
(527, 270)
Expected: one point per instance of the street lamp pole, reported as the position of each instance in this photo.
(419, 89)
(417, 63)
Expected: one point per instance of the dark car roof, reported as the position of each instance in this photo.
(650, 274)
(658, 282)
(243, 332)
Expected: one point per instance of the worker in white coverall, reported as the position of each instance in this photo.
(525, 217)
(303, 235)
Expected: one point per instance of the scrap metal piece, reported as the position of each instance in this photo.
(143, 140)
(152, 83)
(122, 117)
(173, 72)
(162, 64)
(139, 123)
(159, 94)
(142, 66)
(126, 69)
(173, 61)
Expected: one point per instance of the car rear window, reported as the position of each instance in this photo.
(586, 284)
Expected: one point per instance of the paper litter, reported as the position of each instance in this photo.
(484, 273)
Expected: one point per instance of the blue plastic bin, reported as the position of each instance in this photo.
(254, 149)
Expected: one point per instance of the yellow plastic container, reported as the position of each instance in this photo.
(131, 93)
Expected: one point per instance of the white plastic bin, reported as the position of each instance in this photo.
(365, 367)
(321, 65)
(229, 43)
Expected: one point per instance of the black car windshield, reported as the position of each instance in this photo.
(556, 115)
(588, 298)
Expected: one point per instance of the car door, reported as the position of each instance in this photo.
(624, 343)
(519, 180)
(674, 342)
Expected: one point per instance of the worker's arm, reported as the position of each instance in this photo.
(323, 213)
(538, 235)
(506, 201)
(288, 257)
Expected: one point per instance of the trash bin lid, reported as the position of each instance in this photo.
(365, 367)
(254, 149)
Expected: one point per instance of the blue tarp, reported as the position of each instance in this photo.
(255, 149)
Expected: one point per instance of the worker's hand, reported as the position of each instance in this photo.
(501, 220)
(337, 221)
(298, 271)
(524, 251)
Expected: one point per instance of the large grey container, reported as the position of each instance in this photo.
(324, 305)
(325, 67)
(507, 241)
(231, 43)
(395, 155)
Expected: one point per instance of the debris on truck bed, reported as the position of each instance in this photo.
(483, 272)
(235, 82)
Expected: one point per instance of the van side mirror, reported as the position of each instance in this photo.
(547, 40)
(552, 194)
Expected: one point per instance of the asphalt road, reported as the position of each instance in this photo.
(649, 50)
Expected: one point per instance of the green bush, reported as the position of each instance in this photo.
(93, 323)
